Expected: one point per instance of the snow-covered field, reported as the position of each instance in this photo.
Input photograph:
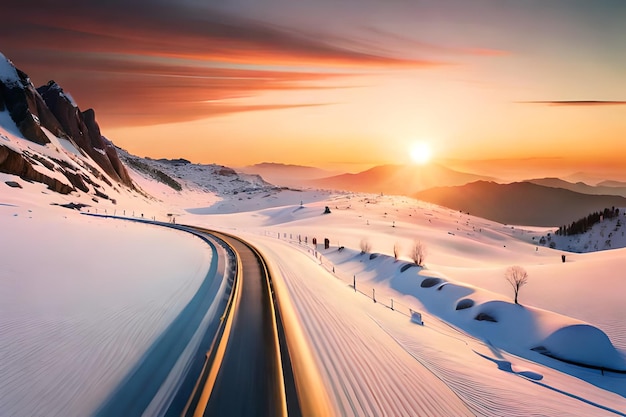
(82, 299)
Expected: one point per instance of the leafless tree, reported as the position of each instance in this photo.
(396, 250)
(517, 277)
(366, 246)
(418, 253)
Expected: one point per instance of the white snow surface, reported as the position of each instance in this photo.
(607, 234)
(82, 298)
(8, 74)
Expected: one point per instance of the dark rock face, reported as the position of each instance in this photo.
(226, 172)
(49, 107)
(15, 163)
(19, 98)
(63, 111)
(175, 162)
(13, 184)
(83, 128)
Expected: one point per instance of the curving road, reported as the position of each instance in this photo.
(247, 369)
(133, 396)
(248, 376)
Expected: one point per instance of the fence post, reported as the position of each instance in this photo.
(353, 280)
(374, 294)
(392, 303)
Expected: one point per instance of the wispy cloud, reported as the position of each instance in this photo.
(430, 49)
(140, 93)
(576, 103)
(150, 61)
(171, 30)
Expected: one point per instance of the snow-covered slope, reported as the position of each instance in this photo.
(83, 299)
(375, 361)
(605, 235)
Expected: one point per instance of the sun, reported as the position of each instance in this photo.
(421, 153)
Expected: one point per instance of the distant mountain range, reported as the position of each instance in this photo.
(603, 188)
(286, 174)
(589, 178)
(46, 138)
(608, 183)
(520, 203)
(397, 179)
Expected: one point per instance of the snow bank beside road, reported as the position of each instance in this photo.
(81, 300)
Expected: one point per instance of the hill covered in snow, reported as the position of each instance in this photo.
(97, 292)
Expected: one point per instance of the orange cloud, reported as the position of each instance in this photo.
(151, 62)
(577, 103)
(162, 30)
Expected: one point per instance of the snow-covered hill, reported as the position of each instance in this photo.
(83, 299)
(605, 235)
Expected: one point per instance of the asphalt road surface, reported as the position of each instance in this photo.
(250, 380)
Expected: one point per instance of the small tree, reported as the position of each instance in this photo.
(418, 253)
(366, 246)
(517, 277)
(396, 250)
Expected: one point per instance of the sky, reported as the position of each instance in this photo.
(343, 84)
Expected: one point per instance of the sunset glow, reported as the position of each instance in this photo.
(339, 86)
(421, 153)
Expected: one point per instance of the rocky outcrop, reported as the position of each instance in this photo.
(51, 108)
(84, 130)
(17, 97)
(12, 162)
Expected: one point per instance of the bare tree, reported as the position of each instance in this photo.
(366, 246)
(418, 253)
(396, 250)
(517, 277)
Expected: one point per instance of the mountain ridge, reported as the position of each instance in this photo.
(581, 187)
(39, 114)
(398, 179)
(520, 203)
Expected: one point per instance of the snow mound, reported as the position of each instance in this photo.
(488, 316)
(584, 344)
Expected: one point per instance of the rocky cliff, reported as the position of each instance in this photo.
(34, 110)
(84, 130)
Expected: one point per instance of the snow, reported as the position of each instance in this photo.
(477, 247)
(80, 305)
(607, 234)
(8, 73)
(8, 127)
(377, 362)
(83, 298)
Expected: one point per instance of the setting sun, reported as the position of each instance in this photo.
(421, 153)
